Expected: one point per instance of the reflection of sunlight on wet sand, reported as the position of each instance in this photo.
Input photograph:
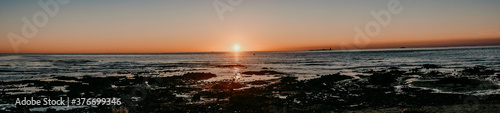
(236, 70)
(237, 74)
(236, 77)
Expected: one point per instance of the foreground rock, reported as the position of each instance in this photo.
(198, 76)
(263, 72)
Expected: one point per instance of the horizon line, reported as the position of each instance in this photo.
(360, 49)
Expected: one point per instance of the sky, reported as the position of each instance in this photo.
(133, 26)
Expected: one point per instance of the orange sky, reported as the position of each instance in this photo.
(194, 26)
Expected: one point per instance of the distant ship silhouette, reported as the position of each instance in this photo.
(322, 49)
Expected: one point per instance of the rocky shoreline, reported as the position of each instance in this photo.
(474, 89)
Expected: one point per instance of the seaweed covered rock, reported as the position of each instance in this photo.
(335, 77)
(383, 79)
(227, 85)
(288, 80)
(478, 70)
(433, 74)
(198, 76)
(263, 72)
(260, 82)
(430, 66)
(324, 83)
(249, 103)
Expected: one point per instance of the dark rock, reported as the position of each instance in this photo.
(335, 77)
(393, 68)
(198, 76)
(289, 79)
(478, 70)
(383, 79)
(196, 97)
(65, 78)
(430, 66)
(258, 82)
(227, 85)
(433, 74)
(248, 103)
(263, 72)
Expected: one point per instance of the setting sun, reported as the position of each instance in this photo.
(236, 47)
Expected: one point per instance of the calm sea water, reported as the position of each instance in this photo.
(302, 64)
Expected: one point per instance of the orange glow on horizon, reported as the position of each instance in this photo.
(250, 45)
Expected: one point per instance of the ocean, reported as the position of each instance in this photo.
(302, 64)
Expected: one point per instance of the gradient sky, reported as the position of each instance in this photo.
(97, 26)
